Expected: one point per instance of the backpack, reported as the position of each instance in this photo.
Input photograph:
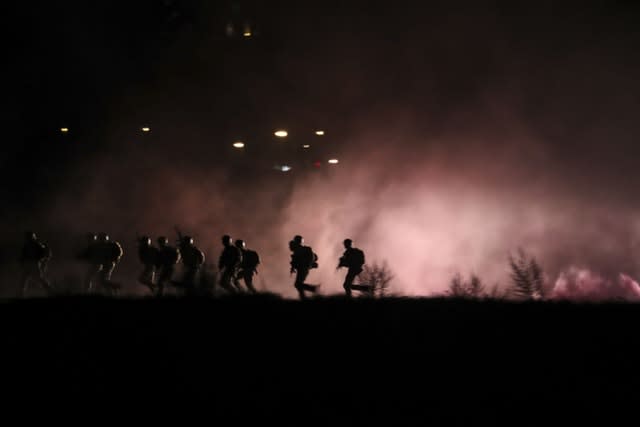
(250, 259)
(358, 258)
(308, 257)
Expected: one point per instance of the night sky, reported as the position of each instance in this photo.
(464, 130)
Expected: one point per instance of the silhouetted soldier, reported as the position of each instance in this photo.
(302, 260)
(353, 259)
(168, 257)
(109, 252)
(229, 263)
(33, 261)
(148, 255)
(248, 266)
(192, 259)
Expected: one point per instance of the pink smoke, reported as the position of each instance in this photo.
(585, 285)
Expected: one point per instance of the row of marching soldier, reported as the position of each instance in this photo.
(237, 265)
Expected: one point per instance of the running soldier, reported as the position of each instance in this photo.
(228, 264)
(148, 255)
(248, 266)
(303, 259)
(192, 259)
(109, 253)
(33, 260)
(353, 260)
(168, 257)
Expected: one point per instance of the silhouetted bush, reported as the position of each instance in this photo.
(379, 276)
(526, 276)
(497, 293)
(459, 288)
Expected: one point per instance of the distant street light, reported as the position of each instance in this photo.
(282, 168)
(64, 130)
(146, 129)
(333, 161)
(247, 30)
(238, 144)
(319, 132)
(305, 146)
(281, 133)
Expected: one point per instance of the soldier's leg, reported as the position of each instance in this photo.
(362, 287)
(248, 281)
(163, 276)
(25, 277)
(298, 284)
(301, 276)
(42, 279)
(105, 278)
(92, 276)
(147, 276)
(225, 281)
(348, 282)
(308, 287)
(236, 280)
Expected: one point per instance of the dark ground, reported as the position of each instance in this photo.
(329, 360)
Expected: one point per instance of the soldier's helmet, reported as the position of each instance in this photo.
(240, 243)
(226, 240)
(103, 237)
(298, 239)
(30, 235)
(187, 240)
(92, 237)
(348, 243)
(144, 241)
(163, 241)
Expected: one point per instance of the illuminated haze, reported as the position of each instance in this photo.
(461, 137)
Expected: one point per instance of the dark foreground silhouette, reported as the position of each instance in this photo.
(386, 361)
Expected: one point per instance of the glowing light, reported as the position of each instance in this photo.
(146, 129)
(282, 168)
(281, 133)
(333, 161)
(317, 164)
(247, 30)
(64, 130)
(319, 132)
(305, 146)
(238, 144)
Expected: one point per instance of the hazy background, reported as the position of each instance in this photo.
(463, 131)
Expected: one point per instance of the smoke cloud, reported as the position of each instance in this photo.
(455, 147)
